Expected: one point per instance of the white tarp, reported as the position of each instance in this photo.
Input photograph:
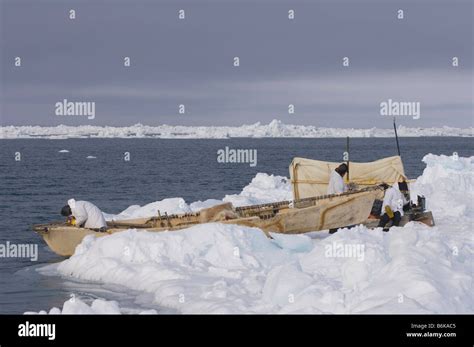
(311, 177)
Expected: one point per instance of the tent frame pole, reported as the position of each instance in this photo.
(396, 136)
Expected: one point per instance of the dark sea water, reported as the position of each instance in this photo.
(34, 189)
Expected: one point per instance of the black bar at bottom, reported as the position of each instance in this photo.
(442, 330)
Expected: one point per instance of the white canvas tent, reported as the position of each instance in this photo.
(311, 177)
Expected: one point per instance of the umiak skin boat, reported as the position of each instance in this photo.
(310, 214)
(310, 211)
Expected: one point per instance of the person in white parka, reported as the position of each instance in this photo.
(336, 183)
(392, 206)
(85, 215)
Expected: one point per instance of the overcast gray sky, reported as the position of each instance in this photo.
(282, 61)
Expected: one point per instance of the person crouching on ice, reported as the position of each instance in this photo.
(336, 180)
(392, 207)
(84, 214)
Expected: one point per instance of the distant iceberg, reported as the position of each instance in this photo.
(275, 129)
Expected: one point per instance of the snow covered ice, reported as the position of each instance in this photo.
(275, 128)
(218, 268)
(264, 188)
(98, 306)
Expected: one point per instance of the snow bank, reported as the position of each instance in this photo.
(217, 268)
(263, 188)
(207, 268)
(449, 182)
(98, 306)
(170, 206)
(77, 306)
(274, 129)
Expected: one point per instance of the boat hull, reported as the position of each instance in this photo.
(322, 213)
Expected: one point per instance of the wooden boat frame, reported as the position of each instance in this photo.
(288, 217)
